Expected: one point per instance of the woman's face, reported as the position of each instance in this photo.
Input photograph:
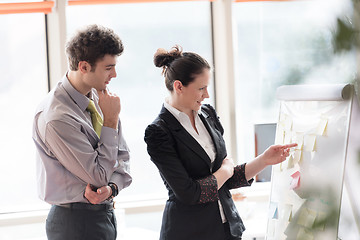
(195, 92)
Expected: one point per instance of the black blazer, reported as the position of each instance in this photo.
(192, 211)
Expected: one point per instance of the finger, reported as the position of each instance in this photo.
(100, 92)
(103, 190)
(88, 188)
(286, 153)
(289, 145)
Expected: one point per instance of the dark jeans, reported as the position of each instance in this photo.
(228, 234)
(75, 224)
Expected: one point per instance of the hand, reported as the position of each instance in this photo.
(277, 153)
(110, 107)
(99, 196)
(224, 172)
(228, 167)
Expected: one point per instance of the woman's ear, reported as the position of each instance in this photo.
(178, 86)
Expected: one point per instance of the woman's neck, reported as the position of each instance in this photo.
(176, 103)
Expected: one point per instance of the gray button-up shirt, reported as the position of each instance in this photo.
(71, 154)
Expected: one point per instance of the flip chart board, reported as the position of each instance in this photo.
(313, 189)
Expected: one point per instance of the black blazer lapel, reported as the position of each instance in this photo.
(181, 134)
(217, 138)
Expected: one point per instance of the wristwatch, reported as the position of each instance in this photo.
(114, 190)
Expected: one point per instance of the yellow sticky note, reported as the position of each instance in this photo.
(299, 139)
(307, 217)
(310, 218)
(287, 137)
(304, 235)
(288, 124)
(297, 156)
(287, 212)
(290, 162)
(320, 221)
(321, 129)
(309, 142)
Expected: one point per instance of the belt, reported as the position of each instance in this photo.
(88, 206)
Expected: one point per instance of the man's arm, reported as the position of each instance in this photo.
(110, 107)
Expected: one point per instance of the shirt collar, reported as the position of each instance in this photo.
(177, 114)
(80, 99)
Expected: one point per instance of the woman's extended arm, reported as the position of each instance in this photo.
(273, 155)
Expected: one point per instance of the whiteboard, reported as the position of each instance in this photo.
(306, 189)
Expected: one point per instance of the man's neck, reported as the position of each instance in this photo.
(75, 79)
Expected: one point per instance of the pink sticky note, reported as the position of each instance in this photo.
(295, 182)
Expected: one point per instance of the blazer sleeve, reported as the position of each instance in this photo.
(238, 179)
(161, 148)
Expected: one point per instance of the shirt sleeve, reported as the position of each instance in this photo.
(72, 148)
(238, 179)
(121, 177)
(160, 147)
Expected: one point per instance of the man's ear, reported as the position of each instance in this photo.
(178, 86)
(84, 67)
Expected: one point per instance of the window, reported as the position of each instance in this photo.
(23, 84)
(281, 43)
(143, 28)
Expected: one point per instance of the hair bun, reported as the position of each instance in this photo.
(163, 58)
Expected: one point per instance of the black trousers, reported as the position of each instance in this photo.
(78, 224)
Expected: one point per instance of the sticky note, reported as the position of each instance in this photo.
(295, 182)
(304, 235)
(282, 117)
(312, 155)
(320, 221)
(297, 156)
(309, 142)
(290, 162)
(271, 228)
(310, 218)
(273, 213)
(280, 136)
(287, 212)
(288, 124)
(321, 129)
(287, 137)
(307, 217)
(276, 214)
(299, 139)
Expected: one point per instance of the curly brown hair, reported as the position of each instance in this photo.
(91, 44)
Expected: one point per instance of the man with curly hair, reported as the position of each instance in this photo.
(83, 158)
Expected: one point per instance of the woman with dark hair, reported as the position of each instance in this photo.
(186, 144)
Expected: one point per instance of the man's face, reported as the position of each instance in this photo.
(104, 72)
